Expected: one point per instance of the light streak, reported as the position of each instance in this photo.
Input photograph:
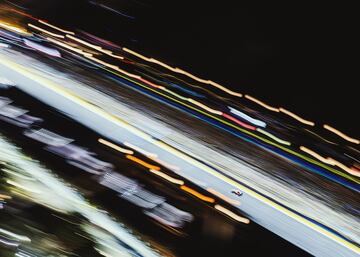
(224, 197)
(314, 154)
(262, 103)
(115, 147)
(204, 106)
(197, 194)
(21, 254)
(355, 169)
(22, 13)
(150, 83)
(296, 117)
(72, 200)
(116, 68)
(167, 177)
(284, 142)
(57, 28)
(45, 31)
(356, 166)
(256, 122)
(165, 164)
(140, 150)
(17, 174)
(5, 196)
(270, 142)
(144, 135)
(13, 183)
(3, 45)
(351, 157)
(177, 70)
(116, 120)
(185, 82)
(69, 47)
(13, 28)
(113, 55)
(102, 62)
(8, 243)
(16, 236)
(188, 91)
(354, 149)
(327, 141)
(340, 134)
(344, 167)
(174, 94)
(96, 47)
(238, 122)
(232, 214)
(47, 50)
(330, 161)
(141, 162)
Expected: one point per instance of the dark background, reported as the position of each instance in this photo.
(299, 56)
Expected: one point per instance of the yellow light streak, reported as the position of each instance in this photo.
(69, 47)
(167, 177)
(232, 214)
(5, 197)
(57, 28)
(296, 117)
(197, 194)
(13, 183)
(330, 161)
(115, 147)
(344, 167)
(96, 47)
(180, 71)
(102, 62)
(84, 42)
(273, 137)
(173, 93)
(203, 106)
(262, 103)
(13, 28)
(45, 31)
(342, 135)
(314, 154)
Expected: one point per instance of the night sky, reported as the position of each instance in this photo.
(301, 57)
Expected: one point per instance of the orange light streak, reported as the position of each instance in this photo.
(143, 163)
(197, 194)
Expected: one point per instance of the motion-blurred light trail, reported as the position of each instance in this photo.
(262, 103)
(55, 27)
(296, 117)
(342, 135)
(232, 215)
(167, 177)
(212, 114)
(177, 70)
(143, 163)
(256, 122)
(45, 31)
(197, 194)
(116, 147)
